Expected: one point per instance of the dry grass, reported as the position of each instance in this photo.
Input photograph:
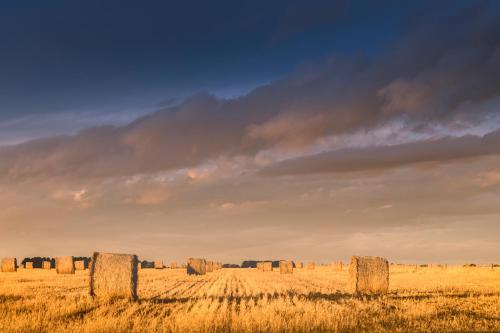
(246, 300)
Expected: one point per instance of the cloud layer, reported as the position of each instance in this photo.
(426, 78)
(388, 157)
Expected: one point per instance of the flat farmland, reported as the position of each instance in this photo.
(246, 300)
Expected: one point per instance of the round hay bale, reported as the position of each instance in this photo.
(65, 265)
(369, 275)
(9, 264)
(114, 276)
(209, 266)
(80, 265)
(159, 264)
(267, 266)
(196, 266)
(311, 266)
(286, 267)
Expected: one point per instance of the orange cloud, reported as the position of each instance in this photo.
(486, 179)
(153, 198)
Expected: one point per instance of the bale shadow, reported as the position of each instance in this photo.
(10, 298)
(312, 296)
(440, 294)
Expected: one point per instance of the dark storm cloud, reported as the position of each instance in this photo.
(60, 55)
(387, 157)
(429, 76)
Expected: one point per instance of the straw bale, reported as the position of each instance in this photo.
(9, 264)
(196, 266)
(114, 276)
(369, 275)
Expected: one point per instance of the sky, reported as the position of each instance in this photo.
(305, 130)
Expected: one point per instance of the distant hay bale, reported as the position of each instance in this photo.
(267, 266)
(196, 266)
(65, 265)
(9, 264)
(159, 264)
(439, 266)
(286, 267)
(173, 265)
(28, 265)
(46, 265)
(369, 275)
(311, 266)
(209, 266)
(299, 264)
(260, 266)
(80, 265)
(338, 266)
(113, 276)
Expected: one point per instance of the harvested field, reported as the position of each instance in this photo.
(247, 300)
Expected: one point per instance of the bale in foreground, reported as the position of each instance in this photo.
(9, 265)
(196, 266)
(113, 276)
(286, 267)
(369, 275)
(65, 265)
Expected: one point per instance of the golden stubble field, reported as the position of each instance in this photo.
(246, 300)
